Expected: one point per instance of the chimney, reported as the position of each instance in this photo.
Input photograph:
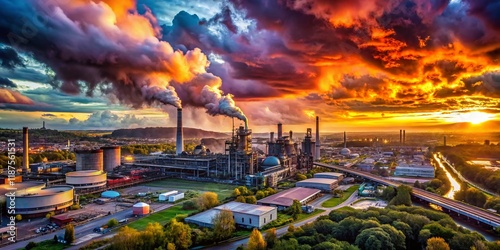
(404, 137)
(179, 146)
(280, 131)
(318, 153)
(271, 138)
(400, 136)
(26, 149)
(291, 134)
(43, 127)
(345, 140)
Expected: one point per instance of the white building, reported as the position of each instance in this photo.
(248, 215)
(323, 184)
(330, 175)
(415, 170)
(164, 196)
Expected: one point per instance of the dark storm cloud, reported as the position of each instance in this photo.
(9, 58)
(49, 115)
(6, 83)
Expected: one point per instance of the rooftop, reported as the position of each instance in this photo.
(84, 173)
(285, 198)
(333, 174)
(244, 208)
(319, 180)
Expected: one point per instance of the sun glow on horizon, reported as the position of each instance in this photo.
(474, 117)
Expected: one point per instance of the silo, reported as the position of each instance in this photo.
(111, 157)
(89, 159)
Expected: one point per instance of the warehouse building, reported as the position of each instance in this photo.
(325, 185)
(416, 170)
(330, 175)
(86, 179)
(247, 215)
(284, 199)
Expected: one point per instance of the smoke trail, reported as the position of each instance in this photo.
(218, 104)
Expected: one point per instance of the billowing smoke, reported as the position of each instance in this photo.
(217, 103)
(109, 47)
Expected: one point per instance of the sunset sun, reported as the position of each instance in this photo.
(475, 117)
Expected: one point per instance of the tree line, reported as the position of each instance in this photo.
(393, 228)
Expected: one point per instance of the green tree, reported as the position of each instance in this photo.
(153, 236)
(224, 225)
(300, 177)
(30, 245)
(388, 193)
(69, 234)
(251, 199)
(295, 209)
(170, 246)
(112, 223)
(179, 234)
(236, 192)
(493, 203)
(207, 200)
(189, 205)
(126, 239)
(256, 241)
(260, 194)
(436, 243)
(271, 237)
(475, 197)
(403, 196)
(55, 239)
(374, 239)
(241, 199)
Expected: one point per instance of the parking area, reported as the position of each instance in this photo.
(366, 203)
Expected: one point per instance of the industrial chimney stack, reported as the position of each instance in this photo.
(26, 148)
(345, 140)
(271, 138)
(280, 131)
(318, 153)
(404, 137)
(400, 137)
(179, 146)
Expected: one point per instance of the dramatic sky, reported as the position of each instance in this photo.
(358, 64)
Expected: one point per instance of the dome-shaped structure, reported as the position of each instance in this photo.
(271, 161)
(345, 151)
(200, 149)
(140, 208)
(110, 194)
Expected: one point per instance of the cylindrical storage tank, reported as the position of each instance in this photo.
(111, 157)
(89, 159)
(40, 202)
(86, 179)
(140, 208)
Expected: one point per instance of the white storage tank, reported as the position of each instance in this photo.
(164, 196)
(175, 197)
(111, 157)
(89, 159)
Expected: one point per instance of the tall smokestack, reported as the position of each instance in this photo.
(271, 138)
(345, 140)
(400, 136)
(179, 146)
(280, 131)
(291, 134)
(404, 137)
(318, 153)
(26, 148)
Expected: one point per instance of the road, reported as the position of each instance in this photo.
(80, 231)
(467, 210)
(282, 230)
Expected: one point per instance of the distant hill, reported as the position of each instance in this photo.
(165, 132)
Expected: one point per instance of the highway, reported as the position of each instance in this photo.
(80, 231)
(467, 210)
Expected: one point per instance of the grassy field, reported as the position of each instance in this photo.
(223, 190)
(161, 217)
(48, 245)
(336, 201)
